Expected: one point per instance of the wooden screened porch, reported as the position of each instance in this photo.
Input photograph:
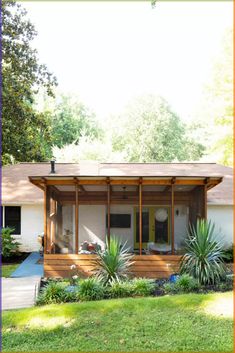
(66, 199)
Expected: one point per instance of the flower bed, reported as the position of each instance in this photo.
(61, 291)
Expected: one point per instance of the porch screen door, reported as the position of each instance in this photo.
(153, 230)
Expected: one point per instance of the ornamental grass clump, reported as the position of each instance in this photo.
(120, 289)
(143, 287)
(53, 292)
(204, 257)
(113, 264)
(91, 289)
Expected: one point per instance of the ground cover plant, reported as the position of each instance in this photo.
(179, 323)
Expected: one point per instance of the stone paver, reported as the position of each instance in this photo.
(19, 292)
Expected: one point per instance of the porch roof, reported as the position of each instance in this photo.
(16, 187)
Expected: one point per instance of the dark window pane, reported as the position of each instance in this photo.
(13, 218)
(161, 231)
(119, 220)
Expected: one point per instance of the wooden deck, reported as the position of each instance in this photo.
(149, 266)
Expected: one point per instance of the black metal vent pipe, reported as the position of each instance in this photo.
(52, 167)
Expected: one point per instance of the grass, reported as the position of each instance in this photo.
(8, 269)
(180, 323)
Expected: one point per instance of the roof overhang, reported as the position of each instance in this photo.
(41, 181)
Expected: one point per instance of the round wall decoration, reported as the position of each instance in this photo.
(161, 214)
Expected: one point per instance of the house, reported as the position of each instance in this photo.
(148, 205)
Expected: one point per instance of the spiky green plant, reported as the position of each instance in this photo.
(204, 255)
(114, 262)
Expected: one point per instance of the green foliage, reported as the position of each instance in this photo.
(169, 287)
(91, 289)
(120, 289)
(113, 264)
(227, 284)
(143, 286)
(71, 120)
(26, 133)
(204, 255)
(149, 131)
(53, 292)
(229, 254)
(217, 107)
(186, 284)
(9, 244)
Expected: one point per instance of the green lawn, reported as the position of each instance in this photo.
(8, 269)
(181, 323)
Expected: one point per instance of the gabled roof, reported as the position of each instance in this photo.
(17, 189)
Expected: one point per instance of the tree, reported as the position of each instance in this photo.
(216, 109)
(71, 120)
(88, 150)
(149, 131)
(26, 133)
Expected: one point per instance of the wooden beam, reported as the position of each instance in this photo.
(108, 209)
(45, 219)
(172, 219)
(140, 216)
(205, 201)
(76, 219)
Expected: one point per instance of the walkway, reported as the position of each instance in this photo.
(30, 266)
(21, 289)
(19, 293)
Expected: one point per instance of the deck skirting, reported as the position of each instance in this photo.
(149, 266)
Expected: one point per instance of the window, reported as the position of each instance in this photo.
(13, 218)
(119, 221)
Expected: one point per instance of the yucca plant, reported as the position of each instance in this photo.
(114, 262)
(204, 257)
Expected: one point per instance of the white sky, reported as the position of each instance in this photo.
(109, 52)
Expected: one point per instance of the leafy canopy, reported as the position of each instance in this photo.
(26, 133)
(72, 120)
(149, 131)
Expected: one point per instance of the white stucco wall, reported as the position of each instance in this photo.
(222, 216)
(31, 227)
(92, 226)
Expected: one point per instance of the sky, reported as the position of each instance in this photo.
(110, 52)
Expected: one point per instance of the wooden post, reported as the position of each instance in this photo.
(76, 219)
(172, 219)
(108, 210)
(45, 219)
(140, 216)
(205, 201)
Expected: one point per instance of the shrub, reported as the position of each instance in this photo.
(120, 289)
(169, 287)
(91, 289)
(114, 262)
(186, 284)
(53, 292)
(9, 244)
(143, 287)
(228, 254)
(204, 255)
